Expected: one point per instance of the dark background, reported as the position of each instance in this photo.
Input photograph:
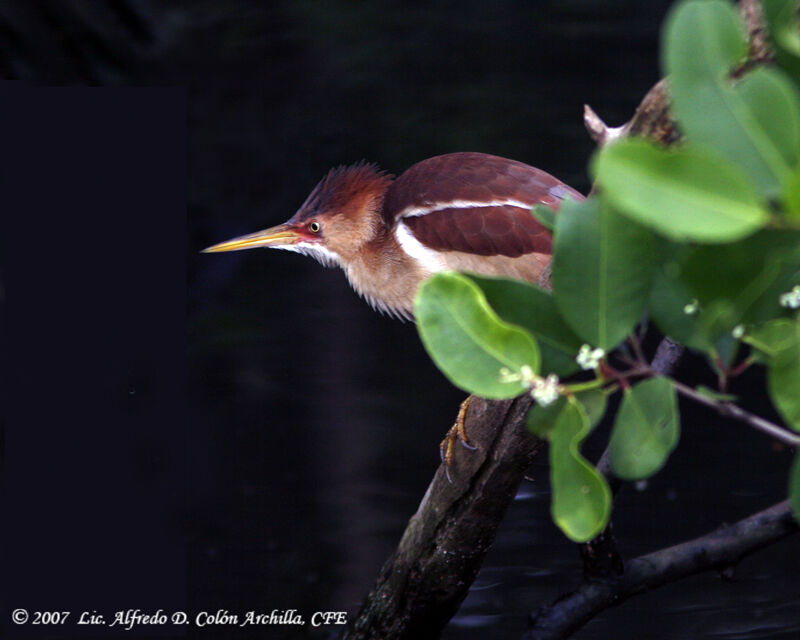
(291, 431)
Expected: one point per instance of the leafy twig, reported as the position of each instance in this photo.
(734, 411)
(600, 556)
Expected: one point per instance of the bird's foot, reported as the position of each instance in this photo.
(457, 433)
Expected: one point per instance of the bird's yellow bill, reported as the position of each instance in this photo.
(279, 236)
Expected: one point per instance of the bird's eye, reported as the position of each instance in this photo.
(314, 227)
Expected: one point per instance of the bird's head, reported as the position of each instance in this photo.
(340, 215)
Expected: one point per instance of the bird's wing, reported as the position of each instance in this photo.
(474, 203)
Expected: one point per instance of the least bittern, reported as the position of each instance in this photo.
(460, 211)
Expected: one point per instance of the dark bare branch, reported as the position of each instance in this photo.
(720, 549)
(668, 355)
(422, 585)
(753, 18)
(734, 411)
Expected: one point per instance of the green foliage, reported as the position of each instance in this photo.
(581, 497)
(779, 342)
(791, 197)
(467, 340)
(594, 402)
(715, 395)
(783, 26)
(527, 306)
(545, 215)
(731, 284)
(700, 195)
(675, 311)
(754, 122)
(746, 276)
(783, 382)
(602, 271)
(646, 429)
(703, 239)
(541, 420)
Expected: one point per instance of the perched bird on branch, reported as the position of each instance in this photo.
(459, 211)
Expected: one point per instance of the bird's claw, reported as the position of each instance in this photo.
(457, 432)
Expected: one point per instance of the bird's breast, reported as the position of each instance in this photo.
(387, 276)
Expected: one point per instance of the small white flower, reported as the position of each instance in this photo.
(589, 358)
(691, 308)
(545, 390)
(506, 375)
(525, 375)
(738, 331)
(791, 299)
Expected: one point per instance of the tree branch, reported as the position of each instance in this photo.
(722, 548)
(424, 582)
(732, 410)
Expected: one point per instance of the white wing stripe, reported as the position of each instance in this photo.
(429, 259)
(410, 212)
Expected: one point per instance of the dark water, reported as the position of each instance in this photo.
(315, 422)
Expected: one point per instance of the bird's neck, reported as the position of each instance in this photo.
(385, 275)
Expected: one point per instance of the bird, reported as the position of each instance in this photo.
(463, 211)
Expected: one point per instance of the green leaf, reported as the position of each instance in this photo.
(545, 215)
(668, 300)
(794, 486)
(790, 198)
(783, 379)
(715, 395)
(741, 282)
(783, 27)
(772, 337)
(602, 270)
(688, 193)
(754, 122)
(541, 420)
(646, 429)
(594, 403)
(774, 104)
(581, 501)
(731, 284)
(778, 345)
(718, 321)
(467, 340)
(527, 306)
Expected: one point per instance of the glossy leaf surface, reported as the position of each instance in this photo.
(646, 429)
(541, 420)
(581, 501)
(783, 376)
(685, 194)
(467, 340)
(527, 306)
(602, 271)
(755, 122)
